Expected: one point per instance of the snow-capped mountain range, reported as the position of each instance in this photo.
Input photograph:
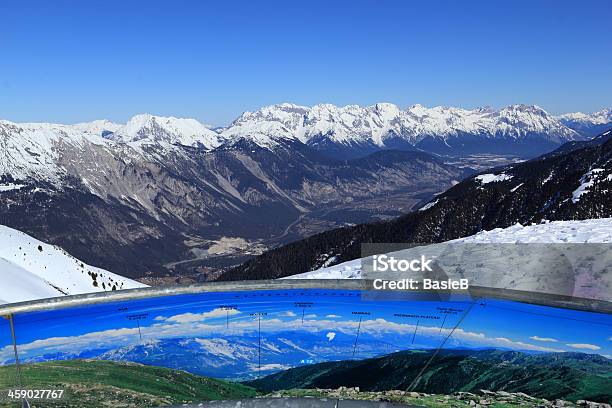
(40, 149)
(379, 126)
(46, 151)
(384, 124)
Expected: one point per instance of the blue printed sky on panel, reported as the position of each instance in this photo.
(400, 325)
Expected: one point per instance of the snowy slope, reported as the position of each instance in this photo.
(384, 121)
(587, 231)
(30, 269)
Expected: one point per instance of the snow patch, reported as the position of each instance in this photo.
(516, 188)
(587, 181)
(428, 205)
(493, 178)
(11, 186)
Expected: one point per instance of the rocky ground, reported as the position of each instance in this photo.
(484, 399)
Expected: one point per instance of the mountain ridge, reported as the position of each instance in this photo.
(377, 126)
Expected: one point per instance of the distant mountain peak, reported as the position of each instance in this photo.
(159, 129)
(525, 108)
(485, 109)
(99, 127)
(588, 124)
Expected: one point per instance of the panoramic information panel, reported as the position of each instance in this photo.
(278, 341)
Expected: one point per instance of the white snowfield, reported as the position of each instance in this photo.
(11, 186)
(586, 231)
(31, 269)
(534, 274)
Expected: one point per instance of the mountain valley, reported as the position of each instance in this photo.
(166, 199)
(571, 183)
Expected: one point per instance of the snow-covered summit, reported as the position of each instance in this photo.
(31, 269)
(146, 128)
(267, 125)
(100, 127)
(520, 120)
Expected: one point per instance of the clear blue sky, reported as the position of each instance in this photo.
(69, 61)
